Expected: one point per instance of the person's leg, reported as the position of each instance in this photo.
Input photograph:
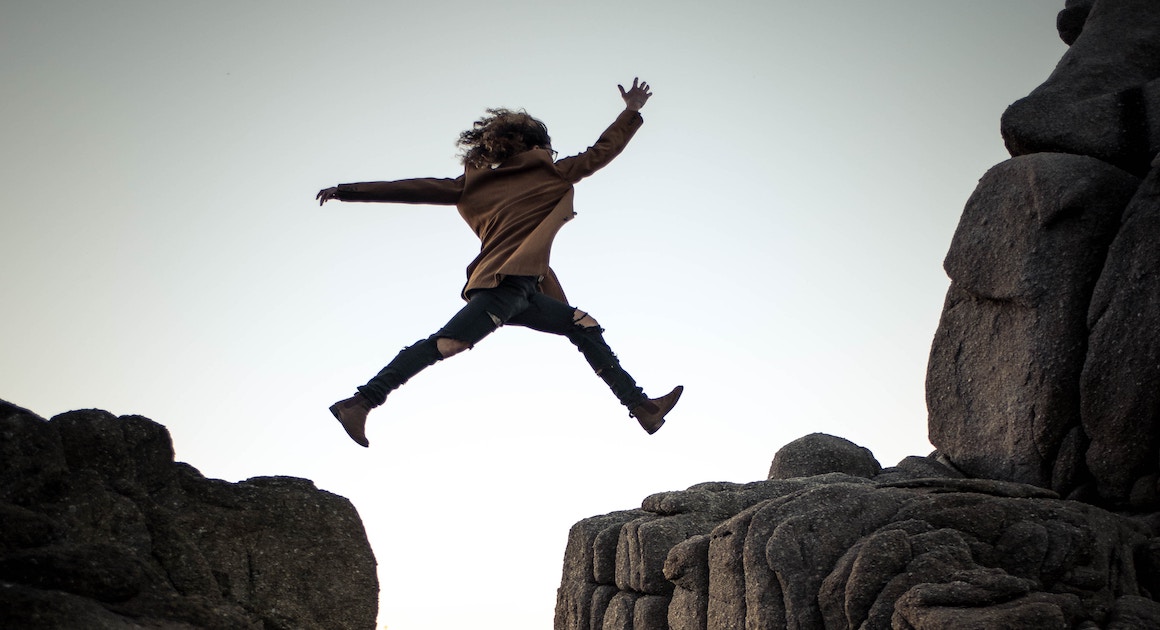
(549, 315)
(486, 310)
(482, 315)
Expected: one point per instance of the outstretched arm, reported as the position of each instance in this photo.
(427, 190)
(636, 97)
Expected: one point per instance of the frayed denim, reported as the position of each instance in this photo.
(516, 301)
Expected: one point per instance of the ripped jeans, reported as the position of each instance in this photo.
(515, 301)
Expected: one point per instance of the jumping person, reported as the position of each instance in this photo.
(515, 196)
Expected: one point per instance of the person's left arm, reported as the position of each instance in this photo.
(613, 140)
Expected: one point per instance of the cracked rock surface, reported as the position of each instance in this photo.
(100, 528)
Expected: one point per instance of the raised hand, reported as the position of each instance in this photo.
(637, 96)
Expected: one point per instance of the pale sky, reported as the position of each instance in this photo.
(772, 239)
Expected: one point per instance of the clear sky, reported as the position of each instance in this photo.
(772, 239)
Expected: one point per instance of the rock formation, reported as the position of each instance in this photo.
(918, 545)
(101, 529)
(1040, 507)
(1045, 366)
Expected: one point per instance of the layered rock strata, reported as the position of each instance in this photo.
(915, 546)
(101, 529)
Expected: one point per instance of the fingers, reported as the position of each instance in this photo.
(637, 86)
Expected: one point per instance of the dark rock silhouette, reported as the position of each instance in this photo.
(1040, 507)
(1102, 98)
(101, 529)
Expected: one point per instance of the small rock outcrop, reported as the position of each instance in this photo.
(101, 529)
(1040, 507)
(818, 453)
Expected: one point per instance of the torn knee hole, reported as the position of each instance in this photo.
(584, 320)
(448, 346)
(495, 320)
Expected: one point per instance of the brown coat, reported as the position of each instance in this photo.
(515, 208)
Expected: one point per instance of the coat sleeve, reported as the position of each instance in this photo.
(607, 147)
(424, 190)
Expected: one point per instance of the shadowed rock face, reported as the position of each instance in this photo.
(1120, 384)
(100, 528)
(1003, 381)
(1045, 368)
(1041, 506)
(1103, 99)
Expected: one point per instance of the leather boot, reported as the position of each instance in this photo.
(352, 413)
(651, 413)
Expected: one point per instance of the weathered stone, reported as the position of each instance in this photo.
(915, 467)
(579, 582)
(22, 528)
(1034, 612)
(32, 465)
(1002, 381)
(721, 500)
(1102, 100)
(644, 545)
(102, 529)
(687, 567)
(1147, 562)
(1133, 613)
(619, 615)
(1069, 472)
(104, 572)
(601, 602)
(727, 606)
(848, 593)
(981, 486)
(604, 549)
(1071, 19)
(1119, 392)
(818, 454)
(810, 558)
(834, 552)
(651, 613)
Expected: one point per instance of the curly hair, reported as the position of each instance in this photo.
(500, 135)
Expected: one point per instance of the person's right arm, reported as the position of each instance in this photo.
(428, 190)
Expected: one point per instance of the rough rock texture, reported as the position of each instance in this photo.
(1103, 99)
(1120, 387)
(1046, 366)
(818, 453)
(1003, 378)
(1041, 506)
(897, 550)
(101, 529)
